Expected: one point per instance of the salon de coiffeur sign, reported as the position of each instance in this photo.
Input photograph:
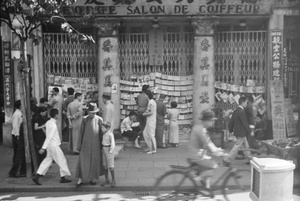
(167, 7)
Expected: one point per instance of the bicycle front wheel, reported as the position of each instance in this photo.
(176, 185)
(237, 181)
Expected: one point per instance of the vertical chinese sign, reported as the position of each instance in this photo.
(8, 76)
(285, 69)
(277, 103)
(156, 47)
(291, 124)
(276, 44)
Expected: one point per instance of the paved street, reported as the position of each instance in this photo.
(136, 173)
(110, 196)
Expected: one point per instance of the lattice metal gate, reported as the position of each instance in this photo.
(239, 56)
(178, 52)
(67, 58)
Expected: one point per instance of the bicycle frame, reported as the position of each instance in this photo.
(187, 170)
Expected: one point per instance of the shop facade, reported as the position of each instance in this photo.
(199, 53)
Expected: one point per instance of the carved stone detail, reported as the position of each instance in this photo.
(204, 27)
(107, 28)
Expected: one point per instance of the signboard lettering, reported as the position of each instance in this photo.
(8, 75)
(276, 44)
(277, 103)
(167, 7)
(155, 47)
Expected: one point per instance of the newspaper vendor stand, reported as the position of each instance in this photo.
(271, 179)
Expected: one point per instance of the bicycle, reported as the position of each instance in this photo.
(181, 183)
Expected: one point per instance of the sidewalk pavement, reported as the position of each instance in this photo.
(135, 171)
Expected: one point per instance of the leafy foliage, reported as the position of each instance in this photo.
(223, 117)
(30, 14)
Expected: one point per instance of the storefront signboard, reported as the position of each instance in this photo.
(8, 76)
(155, 47)
(278, 107)
(289, 118)
(167, 7)
(285, 69)
(276, 45)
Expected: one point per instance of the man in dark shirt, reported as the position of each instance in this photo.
(239, 125)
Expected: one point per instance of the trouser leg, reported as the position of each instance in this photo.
(235, 149)
(15, 146)
(60, 160)
(113, 181)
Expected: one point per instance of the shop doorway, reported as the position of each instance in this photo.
(178, 50)
(240, 56)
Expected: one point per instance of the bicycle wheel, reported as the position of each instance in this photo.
(175, 185)
(237, 181)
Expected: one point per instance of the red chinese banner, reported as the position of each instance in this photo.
(8, 76)
(276, 62)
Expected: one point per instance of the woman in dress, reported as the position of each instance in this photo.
(149, 131)
(39, 131)
(173, 115)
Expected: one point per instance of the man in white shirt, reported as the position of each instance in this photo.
(54, 152)
(16, 124)
(127, 129)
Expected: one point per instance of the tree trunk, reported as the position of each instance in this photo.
(24, 110)
(30, 155)
(29, 117)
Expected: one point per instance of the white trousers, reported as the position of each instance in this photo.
(56, 154)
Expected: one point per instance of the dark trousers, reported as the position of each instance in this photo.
(132, 135)
(142, 120)
(19, 164)
(15, 147)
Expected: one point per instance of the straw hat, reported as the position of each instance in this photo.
(92, 108)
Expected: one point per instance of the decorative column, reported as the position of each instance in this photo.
(109, 65)
(204, 67)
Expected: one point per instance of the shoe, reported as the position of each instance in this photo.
(113, 184)
(138, 147)
(226, 163)
(64, 180)
(93, 183)
(12, 175)
(105, 183)
(21, 175)
(149, 152)
(79, 184)
(153, 152)
(36, 180)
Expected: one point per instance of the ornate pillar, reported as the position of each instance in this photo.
(109, 65)
(204, 92)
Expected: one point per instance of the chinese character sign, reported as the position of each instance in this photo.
(8, 75)
(291, 124)
(278, 109)
(276, 44)
(156, 47)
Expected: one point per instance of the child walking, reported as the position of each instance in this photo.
(173, 115)
(108, 143)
